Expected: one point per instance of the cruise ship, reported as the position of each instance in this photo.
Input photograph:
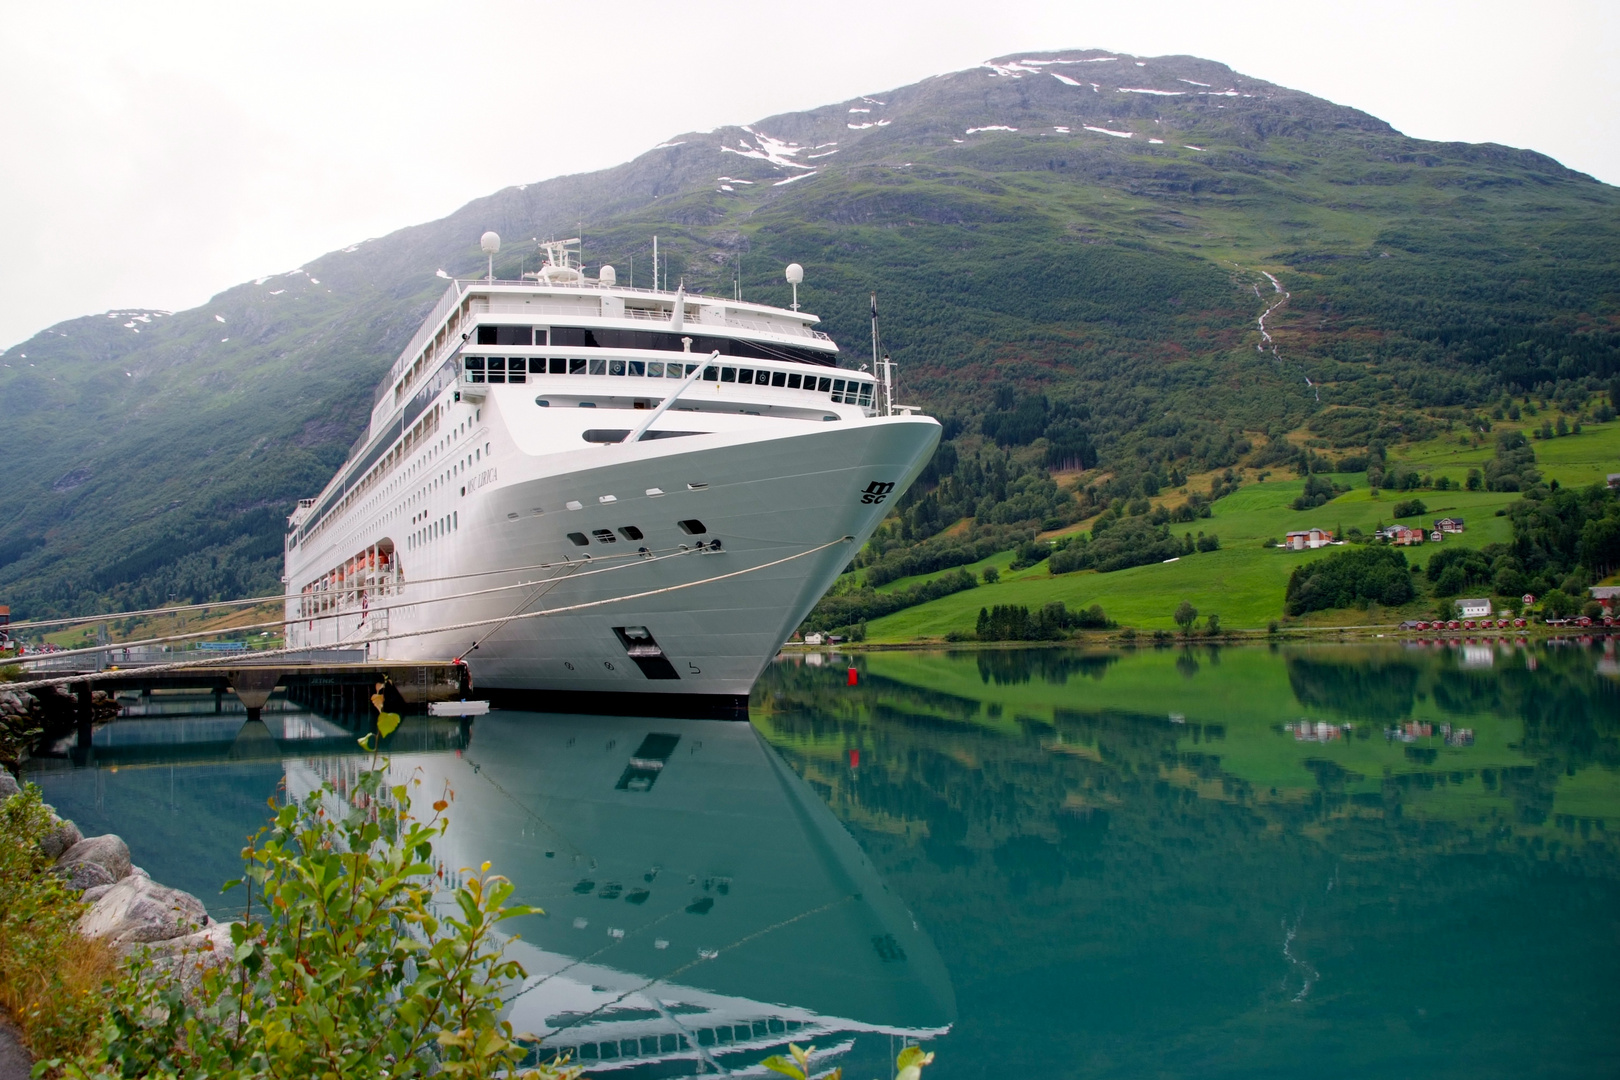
(583, 491)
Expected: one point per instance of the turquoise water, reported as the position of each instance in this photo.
(1334, 861)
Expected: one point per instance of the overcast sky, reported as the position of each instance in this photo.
(154, 154)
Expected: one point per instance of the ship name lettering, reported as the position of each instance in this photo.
(483, 478)
(876, 492)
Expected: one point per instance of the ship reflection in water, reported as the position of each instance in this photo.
(703, 907)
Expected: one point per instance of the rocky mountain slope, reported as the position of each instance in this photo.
(1071, 238)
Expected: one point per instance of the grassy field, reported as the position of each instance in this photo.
(1244, 581)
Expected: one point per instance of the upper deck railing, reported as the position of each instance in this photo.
(459, 288)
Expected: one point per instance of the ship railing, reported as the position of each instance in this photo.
(589, 287)
(430, 327)
(643, 315)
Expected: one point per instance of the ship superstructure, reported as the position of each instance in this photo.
(581, 487)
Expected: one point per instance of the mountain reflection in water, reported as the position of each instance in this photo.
(1324, 861)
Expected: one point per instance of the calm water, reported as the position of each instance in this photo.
(1332, 861)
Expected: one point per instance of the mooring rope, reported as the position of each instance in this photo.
(254, 600)
(89, 650)
(218, 661)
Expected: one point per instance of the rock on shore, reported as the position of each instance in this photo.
(128, 909)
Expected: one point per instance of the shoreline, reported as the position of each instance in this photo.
(1114, 638)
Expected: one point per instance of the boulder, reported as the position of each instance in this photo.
(63, 835)
(17, 702)
(98, 860)
(191, 957)
(95, 892)
(138, 911)
(8, 785)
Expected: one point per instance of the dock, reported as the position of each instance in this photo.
(328, 681)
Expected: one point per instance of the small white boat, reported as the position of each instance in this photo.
(458, 708)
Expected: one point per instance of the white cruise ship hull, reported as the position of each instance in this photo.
(767, 497)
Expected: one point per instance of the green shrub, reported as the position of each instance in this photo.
(50, 977)
(351, 969)
(1372, 574)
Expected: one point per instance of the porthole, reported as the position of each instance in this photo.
(604, 536)
(692, 527)
(542, 402)
(630, 532)
(578, 539)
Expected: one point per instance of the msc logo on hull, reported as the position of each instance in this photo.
(876, 492)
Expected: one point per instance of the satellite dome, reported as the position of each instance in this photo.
(490, 243)
(795, 273)
(607, 276)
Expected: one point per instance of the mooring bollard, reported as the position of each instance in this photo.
(86, 713)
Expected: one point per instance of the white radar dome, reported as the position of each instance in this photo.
(490, 243)
(795, 273)
(607, 275)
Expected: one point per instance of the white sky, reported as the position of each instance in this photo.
(154, 154)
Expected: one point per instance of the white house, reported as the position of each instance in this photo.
(1308, 538)
(1474, 609)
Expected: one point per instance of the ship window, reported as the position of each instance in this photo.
(745, 375)
(673, 371)
(692, 527)
(866, 393)
(728, 374)
(516, 374)
(655, 368)
(604, 536)
(615, 367)
(630, 532)
(638, 367)
(496, 376)
(711, 374)
(496, 363)
(559, 366)
(838, 390)
(794, 380)
(576, 366)
(578, 539)
(778, 378)
(587, 404)
(824, 385)
(475, 363)
(598, 367)
(542, 402)
(505, 335)
(572, 337)
(537, 365)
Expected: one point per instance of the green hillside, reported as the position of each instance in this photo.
(1070, 257)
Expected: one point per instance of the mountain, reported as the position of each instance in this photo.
(1073, 247)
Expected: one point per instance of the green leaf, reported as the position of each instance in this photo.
(913, 1055)
(782, 1065)
(386, 723)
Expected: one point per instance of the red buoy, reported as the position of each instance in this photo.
(852, 676)
(854, 758)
